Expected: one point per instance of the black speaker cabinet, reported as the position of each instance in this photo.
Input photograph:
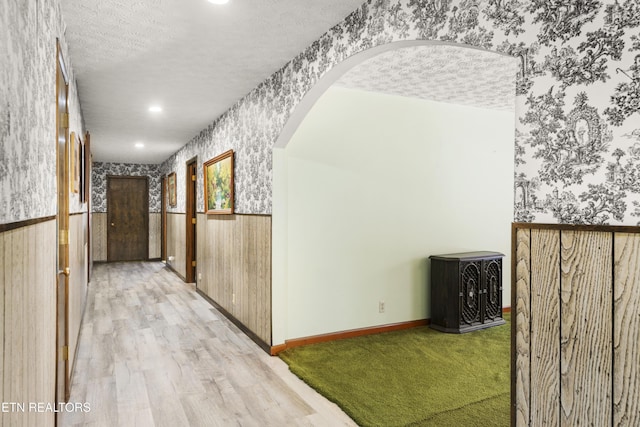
(466, 291)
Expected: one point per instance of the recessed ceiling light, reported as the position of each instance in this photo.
(139, 145)
(155, 109)
(219, 1)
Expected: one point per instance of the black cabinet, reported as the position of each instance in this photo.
(466, 291)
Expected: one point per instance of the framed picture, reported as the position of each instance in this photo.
(81, 172)
(74, 167)
(218, 184)
(171, 184)
(86, 149)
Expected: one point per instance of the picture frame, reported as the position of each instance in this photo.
(171, 190)
(74, 167)
(218, 184)
(81, 171)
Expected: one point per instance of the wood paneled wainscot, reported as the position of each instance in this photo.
(176, 243)
(78, 262)
(99, 235)
(234, 268)
(576, 325)
(28, 315)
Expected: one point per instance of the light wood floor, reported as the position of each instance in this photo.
(152, 352)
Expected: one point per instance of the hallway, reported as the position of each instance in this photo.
(152, 352)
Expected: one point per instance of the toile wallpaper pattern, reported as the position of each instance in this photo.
(28, 32)
(577, 128)
(101, 171)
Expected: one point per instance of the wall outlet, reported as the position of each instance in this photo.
(233, 299)
(381, 307)
(171, 258)
(199, 276)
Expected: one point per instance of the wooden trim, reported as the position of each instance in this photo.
(352, 333)
(175, 271)
(235, 214)
(577, 227)
(255, 338)
(514, 231)
(191, 208)
(26, 223)
(163, 218)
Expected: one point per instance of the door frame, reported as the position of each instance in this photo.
(191, 217)
(62, 221)
(88, 167)
(163, 219)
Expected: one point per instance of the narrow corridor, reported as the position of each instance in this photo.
(152, 352)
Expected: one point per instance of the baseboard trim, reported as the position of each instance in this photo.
(170, 267)
(352, 333)
(248, 332)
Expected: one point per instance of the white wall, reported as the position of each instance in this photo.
(369, 186)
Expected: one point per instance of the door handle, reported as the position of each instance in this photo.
(66, 271)
(113, 224)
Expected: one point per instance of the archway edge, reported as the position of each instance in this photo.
(337, 71)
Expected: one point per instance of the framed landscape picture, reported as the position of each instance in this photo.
(218, 184)
(171, 190)
(74, 164)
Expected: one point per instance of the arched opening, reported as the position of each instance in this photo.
(399, 153)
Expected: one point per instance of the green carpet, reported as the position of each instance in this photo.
(417, 377)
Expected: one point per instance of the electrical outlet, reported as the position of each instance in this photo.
(381, 307)
(233, 299)
(199, 276)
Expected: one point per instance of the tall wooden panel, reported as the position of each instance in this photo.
(155, 235)
(99, 236)
(77, 280)
(590, 314)
(15, 326)
(545, 327)
(521, 313)
(27, 316)
(3, 283)
(626, 330)
(234, 259)
(176, 242)
(585, 329)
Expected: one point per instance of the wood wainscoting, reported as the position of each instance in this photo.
(78, 263)
(176, 243)
(99, 235)
(575, 325)
(155, 235)
(234, 268)
(28, 314)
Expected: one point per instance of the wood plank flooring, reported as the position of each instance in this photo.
(152, 352)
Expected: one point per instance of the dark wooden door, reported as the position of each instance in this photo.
(191, 222)
(127, 218)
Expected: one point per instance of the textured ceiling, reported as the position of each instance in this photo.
(440, 72)
(197, 59)
(194, 58)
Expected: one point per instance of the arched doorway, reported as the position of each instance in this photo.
(363, 174)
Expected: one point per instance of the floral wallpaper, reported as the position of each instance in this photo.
(101, 171)
(28, 32)
(577, 130)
